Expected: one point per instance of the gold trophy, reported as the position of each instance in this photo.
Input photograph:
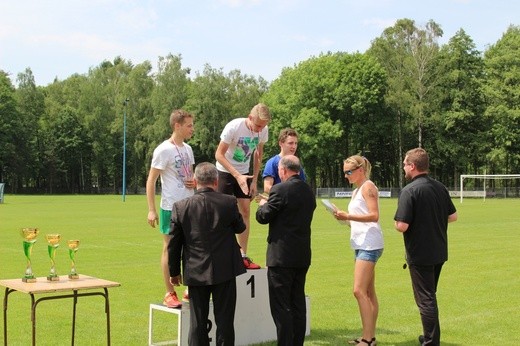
(54, 242)
(29, 238)
(73, 248)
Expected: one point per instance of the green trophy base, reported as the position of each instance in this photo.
(73, 276)
(53, 278)
(29, 280)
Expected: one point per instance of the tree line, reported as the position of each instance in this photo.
(406, 90)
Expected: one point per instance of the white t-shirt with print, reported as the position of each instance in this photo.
(175, 163)
(242, 143)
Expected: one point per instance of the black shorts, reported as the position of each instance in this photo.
(228, 184)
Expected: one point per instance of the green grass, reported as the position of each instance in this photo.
(478, 291)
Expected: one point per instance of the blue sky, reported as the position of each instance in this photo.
(258, 37)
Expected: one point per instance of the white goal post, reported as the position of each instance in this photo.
(482, 176)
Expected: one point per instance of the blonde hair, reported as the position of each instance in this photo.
(360, 161)
(261, 111)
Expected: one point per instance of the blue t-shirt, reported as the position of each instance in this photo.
(271, 170)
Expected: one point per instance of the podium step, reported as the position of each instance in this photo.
(253, 321)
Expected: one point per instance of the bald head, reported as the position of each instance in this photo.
(288, 166)
(206, 175)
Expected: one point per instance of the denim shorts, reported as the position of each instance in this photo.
(368, 255)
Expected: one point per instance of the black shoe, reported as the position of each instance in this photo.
(421, 339)
(360, 340)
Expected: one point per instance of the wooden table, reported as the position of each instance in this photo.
(64, 285)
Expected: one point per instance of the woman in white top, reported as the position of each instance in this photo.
(366, 239)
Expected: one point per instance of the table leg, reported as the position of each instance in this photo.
(107, 311)
(74, 302)
(33, 319)
(75, 296)
(7, 291)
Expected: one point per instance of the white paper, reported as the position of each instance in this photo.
(331, 208)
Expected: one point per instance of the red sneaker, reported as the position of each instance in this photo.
(171, 300)
(186, 296)
(248, 263)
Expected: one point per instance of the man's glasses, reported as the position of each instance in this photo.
(350, 171)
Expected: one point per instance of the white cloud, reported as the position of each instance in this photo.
(60, 37)
(88, 45)
(138, 18)
(379, 23)
(239, 3)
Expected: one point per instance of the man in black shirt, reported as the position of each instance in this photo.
(423, 213)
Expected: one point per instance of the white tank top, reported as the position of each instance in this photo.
(363, 235)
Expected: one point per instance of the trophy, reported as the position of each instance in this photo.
(73, 248)
(54, 242)
(29, 238)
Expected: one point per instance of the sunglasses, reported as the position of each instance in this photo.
(350, 171)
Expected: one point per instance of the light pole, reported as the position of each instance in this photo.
(125, 102)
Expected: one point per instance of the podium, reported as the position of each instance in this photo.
(253, 321)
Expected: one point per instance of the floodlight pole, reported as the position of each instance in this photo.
(125, 102)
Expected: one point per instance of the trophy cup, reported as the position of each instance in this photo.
(54, 242)
(29, 238)
(73, 248)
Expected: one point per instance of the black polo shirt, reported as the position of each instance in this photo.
(425, 204)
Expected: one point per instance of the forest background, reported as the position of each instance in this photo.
(405, 91)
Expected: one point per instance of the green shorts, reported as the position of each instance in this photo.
(164, 221)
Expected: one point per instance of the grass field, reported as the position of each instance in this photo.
(478, 291)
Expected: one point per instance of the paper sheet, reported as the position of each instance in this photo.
(331, 208)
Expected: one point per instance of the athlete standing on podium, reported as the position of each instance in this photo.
(241, 139)
(173, 161)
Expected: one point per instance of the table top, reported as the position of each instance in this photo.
(42, 285)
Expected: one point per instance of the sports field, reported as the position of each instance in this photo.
(478, 291)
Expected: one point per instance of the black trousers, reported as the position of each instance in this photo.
(224, 303)
(287, 302)
(424, 283)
